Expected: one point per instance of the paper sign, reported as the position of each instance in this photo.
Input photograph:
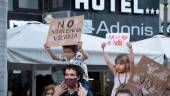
(117, 41)
(65, 31)
(150, 79)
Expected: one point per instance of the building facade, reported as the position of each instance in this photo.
(140, 18)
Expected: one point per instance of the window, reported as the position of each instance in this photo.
(57, 3)
(162, 1)
(19, 82)
(10, 5)
(28, 4)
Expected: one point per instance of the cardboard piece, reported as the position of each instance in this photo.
(65, 31)
(150, 79)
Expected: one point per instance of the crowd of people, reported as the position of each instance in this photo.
(76, 77)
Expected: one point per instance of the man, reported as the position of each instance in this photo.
(71, 86)
(123, 92)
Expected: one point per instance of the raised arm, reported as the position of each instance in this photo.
(84, 53)
(131, 57)
(53, 55)
(107, 59)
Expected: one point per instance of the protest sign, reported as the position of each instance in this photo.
(150, 79)
(65, 31)
(117, 41)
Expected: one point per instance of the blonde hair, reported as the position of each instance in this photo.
(48, 87)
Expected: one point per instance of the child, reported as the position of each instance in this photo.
(122, 69)
(49, 90)
(123, 92)
(71, 57)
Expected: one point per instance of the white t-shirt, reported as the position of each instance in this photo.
(118, 82)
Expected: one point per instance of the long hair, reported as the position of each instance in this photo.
(123, 58)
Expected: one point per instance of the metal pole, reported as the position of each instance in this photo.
(33, 80)
(165, 17)
(3, 48)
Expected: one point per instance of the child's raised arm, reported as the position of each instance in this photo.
(53, 55)
(84, 53)
(107, 59)
(131, 57)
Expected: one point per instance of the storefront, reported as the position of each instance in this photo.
(139, 18)
(100, 18)
(20, 79)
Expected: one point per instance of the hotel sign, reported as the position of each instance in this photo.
(126, 6)
(140, 18)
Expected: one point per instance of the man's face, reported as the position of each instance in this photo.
(70, 74)
(71, 78)
(122, 94)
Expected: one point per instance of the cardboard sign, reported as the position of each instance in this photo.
(65, 31)
(117, 41)
(150, 79)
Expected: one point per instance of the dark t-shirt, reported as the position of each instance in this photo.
(75, 94)
(68, 94)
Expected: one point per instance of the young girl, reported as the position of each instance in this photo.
(49, 90)
(122, 69)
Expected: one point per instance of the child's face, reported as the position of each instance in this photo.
(68, 53)
(49, 92)
(121, 66)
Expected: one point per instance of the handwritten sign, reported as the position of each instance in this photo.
(117, 41)
(150, 79)
(65, 31)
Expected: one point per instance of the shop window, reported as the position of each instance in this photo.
(20, 82)
(28, 4)
(57, 3)
(10, 5)
(162, 1)
(101, 83)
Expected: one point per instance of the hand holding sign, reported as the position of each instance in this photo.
(129, 44)
(80, 43)
(46, 46)
(103, 45)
